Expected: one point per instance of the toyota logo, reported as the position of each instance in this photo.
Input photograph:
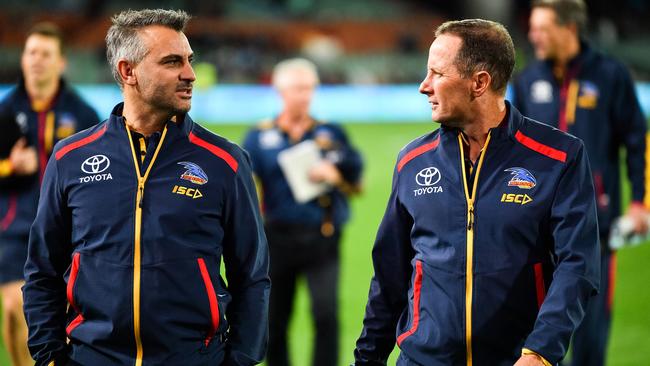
(95, 164)
(428, 176)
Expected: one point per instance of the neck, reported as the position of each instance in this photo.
(294, 124)
(41, 93)
(570, 50)
(488, 115)
(144, 120)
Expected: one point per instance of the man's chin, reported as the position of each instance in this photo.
(182, 108)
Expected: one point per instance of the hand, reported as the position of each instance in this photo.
(326, 172)
(24, 159)
(639, 215)
(529, 360)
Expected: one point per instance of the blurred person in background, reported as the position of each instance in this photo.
(579, 90)
(135, 216)
(304, 238)
(47, 110)
(487, 253)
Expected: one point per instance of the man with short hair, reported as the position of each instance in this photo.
(134, 219)
(304, 235)
(46, 110)
(579, 90)
(487, 253)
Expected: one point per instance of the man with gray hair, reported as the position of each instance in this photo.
(135, 216)
(304, 233)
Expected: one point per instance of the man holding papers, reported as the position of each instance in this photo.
(306, 170)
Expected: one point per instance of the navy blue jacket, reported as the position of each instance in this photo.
(43, 127)
(472, 274)
(596, 102)
(136, 254)
(266, 141)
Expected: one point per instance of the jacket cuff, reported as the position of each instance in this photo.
(526, 351)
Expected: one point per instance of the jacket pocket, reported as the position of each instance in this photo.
(74, 271)
(417, 287)
(540, 285)
(212, 298)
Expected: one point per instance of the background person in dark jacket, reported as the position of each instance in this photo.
(577, 89)
(303, 237)
(488, 250)
(46, 110)
(135, 216)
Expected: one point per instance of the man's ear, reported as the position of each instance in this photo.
(480, 83)
(127, 72)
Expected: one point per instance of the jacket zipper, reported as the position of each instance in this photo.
(469, 278)
(137, 252)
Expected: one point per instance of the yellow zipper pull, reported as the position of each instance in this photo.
(141, 190)
(470, 222)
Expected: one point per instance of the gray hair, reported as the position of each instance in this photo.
(566, 11)
(122, 40)
(282, 70)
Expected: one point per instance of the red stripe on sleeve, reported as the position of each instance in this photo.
(215, 150)
(417, 152)
(77, 144)
(540, 148)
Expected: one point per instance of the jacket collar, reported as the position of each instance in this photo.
(179, 129)
(504, 131)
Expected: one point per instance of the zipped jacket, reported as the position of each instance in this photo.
(472, 272)
(596, 102)
(43, 126)
(125, 256)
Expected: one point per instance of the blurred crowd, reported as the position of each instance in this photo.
(360, 42)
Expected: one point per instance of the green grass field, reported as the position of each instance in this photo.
(630, 341)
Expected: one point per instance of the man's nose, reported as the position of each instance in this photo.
(425, 86)
(188, 73)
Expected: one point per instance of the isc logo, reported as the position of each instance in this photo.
(516, 198)
(189, 192)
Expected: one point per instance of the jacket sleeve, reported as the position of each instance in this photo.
(574, 228)
(630, 123)
(48, 259)
(388, 295)
(346, 158)
(246, 258)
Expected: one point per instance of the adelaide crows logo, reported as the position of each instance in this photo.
(193, 173)
(521, 178)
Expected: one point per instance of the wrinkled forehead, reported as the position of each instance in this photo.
(161, 41)
(444, 49)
